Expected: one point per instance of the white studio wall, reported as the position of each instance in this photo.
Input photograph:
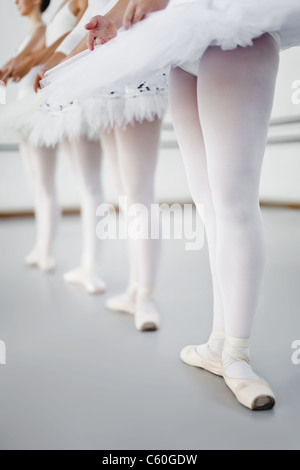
(281, 172)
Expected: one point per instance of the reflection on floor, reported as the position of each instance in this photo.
(80, 377)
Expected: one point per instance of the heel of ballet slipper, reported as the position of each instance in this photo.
(190, 356)
(255, 395)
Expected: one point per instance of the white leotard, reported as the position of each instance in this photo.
(63, 22)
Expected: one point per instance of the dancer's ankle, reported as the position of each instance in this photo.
(216, 340)
(236, 359)
(214, 347)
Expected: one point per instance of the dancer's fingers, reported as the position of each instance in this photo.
(93, 24)
(93, 28)
(99, 42)
(129, 15)
(37, 82)
(91, 40)
(139, 15)
(6, 76)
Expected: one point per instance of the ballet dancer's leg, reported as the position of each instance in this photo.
(138, 151)
(125, 302)
(26, 151)
(40, 163)
(235, 98)
(109, 143)
(109, 147)
(185, 116)
(85, 156)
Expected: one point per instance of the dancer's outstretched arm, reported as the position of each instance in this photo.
(34, 59)
(56, 59)
(67, 45)
(42, 54)
(35, 42)
(8, 69)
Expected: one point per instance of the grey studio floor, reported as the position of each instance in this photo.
(80, 377)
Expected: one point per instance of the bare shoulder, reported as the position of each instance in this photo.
(78, 6)
(82, 4)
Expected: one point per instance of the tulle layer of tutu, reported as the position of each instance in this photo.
(49, 126)
(15, 116)
(31, 118)
(166, 38)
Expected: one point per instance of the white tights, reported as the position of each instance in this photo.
(221, 120)
(133, 154)
(40, 164)
(85, 157)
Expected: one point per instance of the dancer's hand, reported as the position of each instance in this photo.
(22, 68)
(137, 10)
(101, 30)
(3, 71)
(6, 74)
(54, 60)
(39, 77)
(5, 68)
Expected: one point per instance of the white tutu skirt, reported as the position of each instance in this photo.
(87, 117)
(171, 37)
(15, 116)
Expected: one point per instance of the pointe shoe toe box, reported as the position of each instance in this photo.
(31, 260)
(47, 265)
(97, 288)
(253, 394)
(147, 322)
